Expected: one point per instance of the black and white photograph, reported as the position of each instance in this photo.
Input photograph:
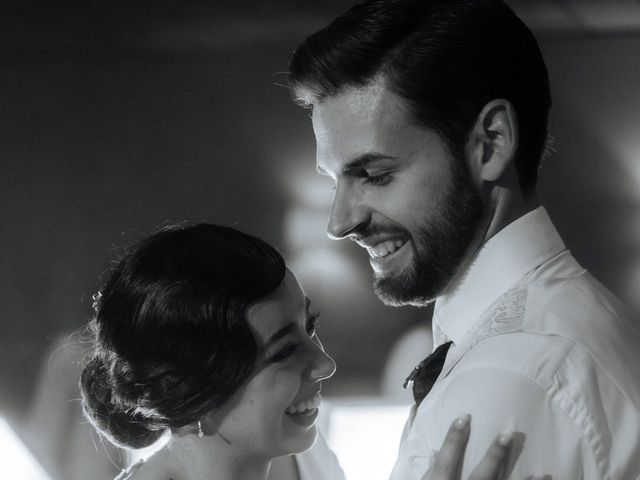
(320, 240)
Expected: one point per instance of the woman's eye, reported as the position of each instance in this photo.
(285, 353)
(312, 323)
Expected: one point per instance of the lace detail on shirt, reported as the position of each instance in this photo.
(504, 315)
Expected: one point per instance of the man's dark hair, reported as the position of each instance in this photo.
(446, 58)
(172, 340)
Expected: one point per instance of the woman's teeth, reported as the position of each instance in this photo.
(305, 406)
(385, 248)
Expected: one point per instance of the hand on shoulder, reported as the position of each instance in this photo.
(447, 462)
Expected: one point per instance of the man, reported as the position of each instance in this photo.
(431, 118)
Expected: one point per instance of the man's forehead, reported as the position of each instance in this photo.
(365, 101)
(357, 121)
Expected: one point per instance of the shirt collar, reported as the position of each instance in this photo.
(501, 262)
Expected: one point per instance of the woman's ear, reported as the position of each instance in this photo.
(494, 140)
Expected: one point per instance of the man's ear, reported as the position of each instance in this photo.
(493, 141)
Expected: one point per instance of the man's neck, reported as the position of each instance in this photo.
(504, 207)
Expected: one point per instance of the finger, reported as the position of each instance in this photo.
(446, 461)
(493, 461)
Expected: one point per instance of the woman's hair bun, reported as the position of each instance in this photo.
(123, 425)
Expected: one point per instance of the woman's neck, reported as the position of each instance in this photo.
(211, 457)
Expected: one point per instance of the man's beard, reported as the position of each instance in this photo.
(439, 245)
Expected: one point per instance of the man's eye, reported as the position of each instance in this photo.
(381, 179)
(285, 353)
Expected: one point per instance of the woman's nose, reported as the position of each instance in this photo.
(322, 367)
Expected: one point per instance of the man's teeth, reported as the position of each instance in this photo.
(305, 405)
(385, 248)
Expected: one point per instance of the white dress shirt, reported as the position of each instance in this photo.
(541, 349)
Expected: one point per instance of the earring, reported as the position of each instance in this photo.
(200, 432)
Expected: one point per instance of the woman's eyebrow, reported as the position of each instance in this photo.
(287, 329)
(280, 334)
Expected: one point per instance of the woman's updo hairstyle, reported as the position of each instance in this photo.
(172, 340)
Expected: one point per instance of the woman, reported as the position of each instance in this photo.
(202, 334)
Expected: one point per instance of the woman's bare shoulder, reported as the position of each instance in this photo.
(154, 468)
(130, 473)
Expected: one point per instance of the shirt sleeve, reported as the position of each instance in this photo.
(546, 439)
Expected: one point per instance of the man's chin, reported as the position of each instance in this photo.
(399, 292)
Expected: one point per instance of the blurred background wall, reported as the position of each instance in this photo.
(119, 116)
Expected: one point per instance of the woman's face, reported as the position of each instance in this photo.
(274, 413)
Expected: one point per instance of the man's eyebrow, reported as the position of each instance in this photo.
(321, 170)
(359, 163)
(280, 334)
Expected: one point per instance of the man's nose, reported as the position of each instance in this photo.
(347, 214)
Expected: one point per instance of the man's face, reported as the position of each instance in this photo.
(399, 192)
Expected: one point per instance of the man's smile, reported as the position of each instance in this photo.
(385, 248)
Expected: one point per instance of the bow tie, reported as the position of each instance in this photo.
(426, 373)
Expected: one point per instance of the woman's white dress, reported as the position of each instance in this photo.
(317, 463)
